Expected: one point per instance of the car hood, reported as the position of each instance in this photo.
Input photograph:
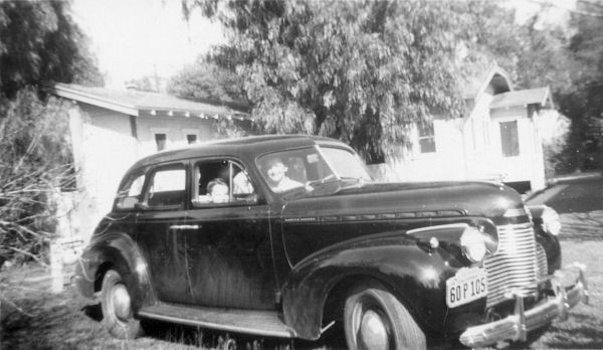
(420, 199)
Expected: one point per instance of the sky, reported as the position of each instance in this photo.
(137, 38)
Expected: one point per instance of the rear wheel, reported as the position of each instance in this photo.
(376, 320)
(116, 303)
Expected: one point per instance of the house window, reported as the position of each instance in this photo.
(427, 138)
(509, 138)
(191, 138)
(160, 141)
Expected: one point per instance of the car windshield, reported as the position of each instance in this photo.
(300, 168)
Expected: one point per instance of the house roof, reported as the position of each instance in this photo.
(475, 81)
(541, 96)
(140, 103)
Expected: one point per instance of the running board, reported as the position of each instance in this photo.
(256, 322)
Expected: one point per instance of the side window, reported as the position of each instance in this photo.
(222, 183)
(166, 188)
(129, 195)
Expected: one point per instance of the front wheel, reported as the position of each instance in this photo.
(117, 310)
(376, 320)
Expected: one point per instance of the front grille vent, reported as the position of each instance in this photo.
(514, 266)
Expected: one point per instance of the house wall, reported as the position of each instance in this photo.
(176, 129)
(444, 164)
(103, 149)
(478, 142)
(471, 149)
(529, 164)
(106, 143)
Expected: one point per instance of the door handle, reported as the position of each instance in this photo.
(184, 227)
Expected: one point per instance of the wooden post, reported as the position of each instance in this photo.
(56, 266)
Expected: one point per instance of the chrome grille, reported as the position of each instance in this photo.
(542, 266)
(514, 266)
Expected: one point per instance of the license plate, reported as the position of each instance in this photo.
(467, 285)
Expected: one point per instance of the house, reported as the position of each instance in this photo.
(111, 129)
(496, 139)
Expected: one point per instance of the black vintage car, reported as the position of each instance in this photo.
(285, 236)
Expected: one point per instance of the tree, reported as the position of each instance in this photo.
(205, 81)
(35, 164)
(360, 71)
(39, 45)
(582, 103)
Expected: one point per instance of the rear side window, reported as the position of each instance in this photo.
(166, 188)
(130, 194)
(221, 182)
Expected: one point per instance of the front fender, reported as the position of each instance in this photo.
(115, 250)
(549, 242)
(415, 273)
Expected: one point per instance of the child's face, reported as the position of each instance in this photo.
(219, 193)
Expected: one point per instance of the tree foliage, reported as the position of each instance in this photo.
(40, 44)
(34, 165)
(363, 71)
(583, 103)
(360, 71)
(205, 81)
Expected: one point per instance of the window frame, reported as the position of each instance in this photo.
(256, 197)
(131, 178)
(428, 136)
(144, 204)
(516, 145)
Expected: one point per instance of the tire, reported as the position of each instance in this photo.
(374, 319)
(118, 317)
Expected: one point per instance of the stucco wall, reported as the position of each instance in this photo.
(103, 149)
(176, 129)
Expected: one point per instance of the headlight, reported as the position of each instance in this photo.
(473, 244)
(550, 221)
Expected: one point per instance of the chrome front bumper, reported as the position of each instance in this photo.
(516, 326)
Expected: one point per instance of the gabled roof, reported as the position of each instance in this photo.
(474, 84)
(138, 103)
(540, 96)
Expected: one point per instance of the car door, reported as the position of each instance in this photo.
(159, 225)
(228, 241)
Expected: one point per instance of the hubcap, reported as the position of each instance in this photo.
(373, 332)
(121, 301)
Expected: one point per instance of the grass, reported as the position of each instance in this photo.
(62, 321)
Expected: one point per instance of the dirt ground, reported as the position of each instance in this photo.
(31, 317)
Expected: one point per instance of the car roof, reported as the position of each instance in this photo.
(246, 147)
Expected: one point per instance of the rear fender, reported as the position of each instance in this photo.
(117, 251)
(414, 272)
